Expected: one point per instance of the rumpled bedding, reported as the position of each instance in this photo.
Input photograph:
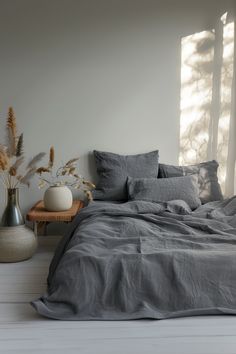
(144, 260)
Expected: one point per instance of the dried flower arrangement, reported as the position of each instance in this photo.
(12, 157)
(65, 175)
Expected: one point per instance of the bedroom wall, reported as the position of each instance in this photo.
(91, 74)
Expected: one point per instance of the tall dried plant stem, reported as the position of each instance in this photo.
(13, 185)
(3, 182)
(9, 180)
(12, 182)
(4, 177)
(17, 183)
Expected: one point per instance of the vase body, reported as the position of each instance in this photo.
(58, 198)
(17, 243)
(12, 215)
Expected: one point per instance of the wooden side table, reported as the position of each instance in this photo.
(39, 215)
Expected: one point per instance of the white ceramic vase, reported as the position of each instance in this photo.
(58, 198)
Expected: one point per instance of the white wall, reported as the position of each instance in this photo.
(96, 74)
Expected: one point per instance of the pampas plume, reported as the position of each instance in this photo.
(65, 175)
(41, 170)
(89, 184)
(88, 195)
(51, 157)
(4, 159)
(33, 162)
(27, 177)
(11, 132)
(12, 171)
(19, 146)
(11, 156)
(71, 161)
(11, 122)
(72, 171)
(18, 163)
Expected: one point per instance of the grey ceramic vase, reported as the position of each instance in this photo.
(12, 215)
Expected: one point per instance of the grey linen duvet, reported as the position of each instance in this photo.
(144, 260)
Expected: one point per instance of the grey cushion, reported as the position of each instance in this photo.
(113, 170)
(165, 189)
(209, 188)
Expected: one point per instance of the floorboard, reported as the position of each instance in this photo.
(22, 330)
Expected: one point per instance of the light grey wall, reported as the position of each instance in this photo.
(96, 74)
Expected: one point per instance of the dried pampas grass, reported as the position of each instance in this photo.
(11, 122)
(41, 170)
(18, 163)
(65, 175)
(35, 160)
(89, 184)
(19, 146)
(4, 160)
(27, 177)
(12, 156)
(72, 162)
(51, 157)
(11, 132)
(12, 171)
(88, 195)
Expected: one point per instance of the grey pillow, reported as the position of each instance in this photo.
(113, 170)
(165, 189)
(209, 188)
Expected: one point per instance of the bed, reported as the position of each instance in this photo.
(142, 259)
(158, 241)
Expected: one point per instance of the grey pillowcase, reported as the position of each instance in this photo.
(209, 188)
(165, 189)
(113, 170)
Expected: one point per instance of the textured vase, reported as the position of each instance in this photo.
(58, 198)
(17, 243)
(12, 215)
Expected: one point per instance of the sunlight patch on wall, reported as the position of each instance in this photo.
(196, 96)
(226, 96)
(207, 67)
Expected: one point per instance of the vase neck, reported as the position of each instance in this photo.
(12, 215)
(13, 195)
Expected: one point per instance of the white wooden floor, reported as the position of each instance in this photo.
(23, 331)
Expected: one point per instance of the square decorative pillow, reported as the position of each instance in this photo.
(165, 189)
(113, 170)
(209, 188)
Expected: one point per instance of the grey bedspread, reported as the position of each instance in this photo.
(144, 260)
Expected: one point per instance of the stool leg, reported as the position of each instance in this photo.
(45, 229)
(35, 228)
